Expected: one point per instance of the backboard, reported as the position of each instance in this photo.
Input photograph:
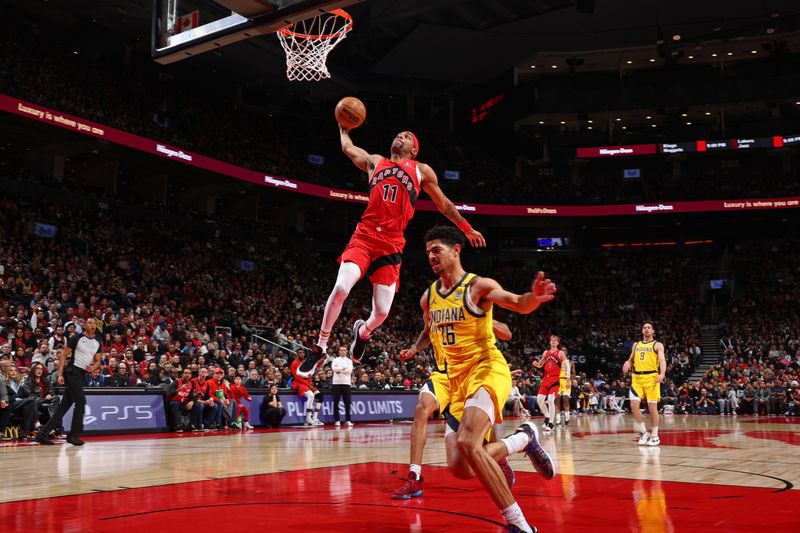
(184, 28)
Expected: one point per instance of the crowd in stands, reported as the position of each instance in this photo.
(145, 99)
(172, 308)
(758, 371)
(171, 313)
(719, 176)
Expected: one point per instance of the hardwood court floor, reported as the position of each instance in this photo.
(721, 473)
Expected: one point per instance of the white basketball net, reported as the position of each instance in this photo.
(308, 42)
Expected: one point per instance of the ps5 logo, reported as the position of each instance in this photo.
(136, 412)
(88, 418)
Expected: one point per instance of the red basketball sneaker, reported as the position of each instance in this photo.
(410, 489)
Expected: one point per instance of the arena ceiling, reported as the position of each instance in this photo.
(442, 44)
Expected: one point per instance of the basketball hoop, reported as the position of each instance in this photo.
(308, 43)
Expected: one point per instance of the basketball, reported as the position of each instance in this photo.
(350, 112)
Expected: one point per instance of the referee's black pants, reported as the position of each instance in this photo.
(339, 392)
(74, 379)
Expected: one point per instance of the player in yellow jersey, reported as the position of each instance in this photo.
(434, 399)
(458, 314)
(564, 389)
(649, 367)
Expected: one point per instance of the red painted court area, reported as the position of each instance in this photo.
(356, 498)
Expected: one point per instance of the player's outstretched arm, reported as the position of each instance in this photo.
(360, 157)
(422, 342)
(488, 290)
(423, 339)
(501, 330)
(430, 184)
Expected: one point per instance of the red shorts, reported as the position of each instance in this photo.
(549, 385)
(302, 388)
(378, 257)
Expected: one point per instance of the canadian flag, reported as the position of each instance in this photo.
(187, 22)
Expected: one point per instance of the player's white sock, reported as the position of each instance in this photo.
(641, 426)
(416, 469)
(516, 442)
(566, 415)
(513, 515)
(654, 431)
(323, 339)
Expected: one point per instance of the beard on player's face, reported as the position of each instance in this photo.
(397, 146)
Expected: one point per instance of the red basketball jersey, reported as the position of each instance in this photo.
(393, 191)
(552, 364)
(297, 381)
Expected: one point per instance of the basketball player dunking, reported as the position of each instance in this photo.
(459, 324)
(551, 360)
(376, 247)
(649, 368)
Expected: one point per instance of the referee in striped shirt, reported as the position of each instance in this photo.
(85, 359)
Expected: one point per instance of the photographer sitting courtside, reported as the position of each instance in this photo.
(272, 411)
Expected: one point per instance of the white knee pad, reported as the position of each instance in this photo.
(382, 298)
(483, 401)
(348, 276)
(339, 293)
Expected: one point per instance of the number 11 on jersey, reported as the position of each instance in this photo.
(389, 192)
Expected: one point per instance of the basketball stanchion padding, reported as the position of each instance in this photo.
(307, 44)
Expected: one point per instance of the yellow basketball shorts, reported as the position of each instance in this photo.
(564, 386)
(439, 386)
(491, 372)
(645, 387)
